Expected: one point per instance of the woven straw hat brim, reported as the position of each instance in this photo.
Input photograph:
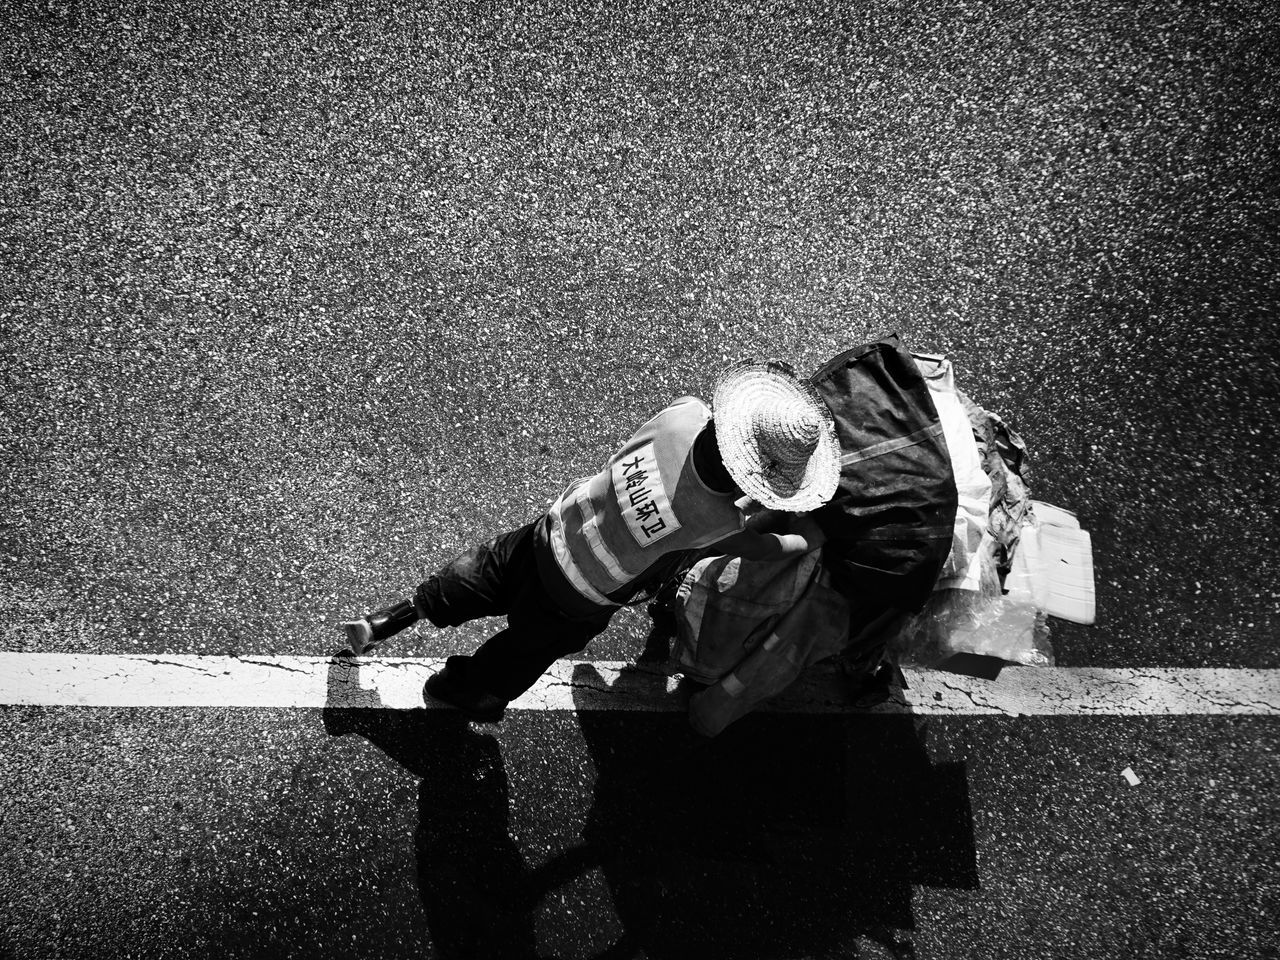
(740, 393)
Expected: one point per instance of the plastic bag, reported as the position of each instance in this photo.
(1009, 624)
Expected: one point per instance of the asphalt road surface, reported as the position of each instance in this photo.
(299, 300)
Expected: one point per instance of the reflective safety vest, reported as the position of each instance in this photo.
(646, 502)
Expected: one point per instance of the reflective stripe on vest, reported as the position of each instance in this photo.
(560, 550)
(591, 533)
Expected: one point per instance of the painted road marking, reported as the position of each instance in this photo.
(96, 680)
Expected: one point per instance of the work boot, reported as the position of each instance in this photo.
(450, 686)
(370, 630)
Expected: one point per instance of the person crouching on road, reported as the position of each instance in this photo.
(670, 489)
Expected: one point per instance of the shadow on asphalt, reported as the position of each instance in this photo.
(784, 836)
(475, 888)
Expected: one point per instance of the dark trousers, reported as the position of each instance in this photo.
(497, 578)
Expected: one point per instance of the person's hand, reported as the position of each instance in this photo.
(765, 520)
(805, 526)
(359, 635)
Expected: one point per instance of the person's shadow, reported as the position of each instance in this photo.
(472, 879)
(784, 836)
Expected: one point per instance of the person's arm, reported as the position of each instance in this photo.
(764, 520)
(804, 535)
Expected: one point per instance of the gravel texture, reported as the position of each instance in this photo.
(299, 300)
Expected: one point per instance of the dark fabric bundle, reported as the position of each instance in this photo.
(890, 523)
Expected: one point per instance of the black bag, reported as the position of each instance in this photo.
(890, 523)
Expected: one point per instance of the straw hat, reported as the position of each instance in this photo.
(776, 436)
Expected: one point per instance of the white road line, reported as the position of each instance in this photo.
(93, 680)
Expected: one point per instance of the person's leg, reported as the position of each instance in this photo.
(512, 660)
(475, 584)
(508, 664)
(478, 583)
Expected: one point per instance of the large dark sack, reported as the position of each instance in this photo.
(890, 523)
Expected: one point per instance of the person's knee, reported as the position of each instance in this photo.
(471, 586)
(431, 603)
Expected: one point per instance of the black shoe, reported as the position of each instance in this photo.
(370, 630)
(474, 704)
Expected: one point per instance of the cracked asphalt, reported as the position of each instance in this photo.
(299, 300)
